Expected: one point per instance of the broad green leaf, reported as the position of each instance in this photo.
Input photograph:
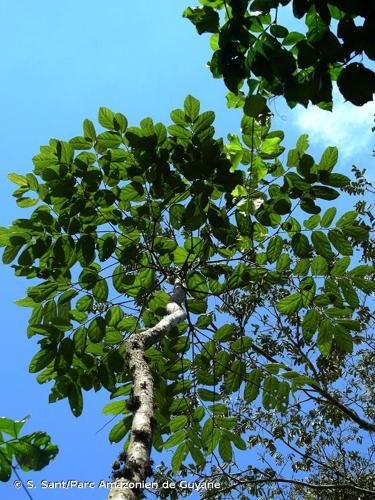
(106, 118)
(310, 323)
(325, 335)
(42, 291)
(255, 105)
(206, 395)
(179, 456)
(119, 431)
(12, 427)
(115, 408)
(290, 304)
(349, 293)
(175, 439)
(225, 332)
(328, 217)
(225, 449)
(252, 386)
(20, 180)
(339, 241)
(42, 359)
(340, 266)
(329, 159)
(191, 106)
(343, 339)
(319, 266)
(302, 142)
(197, 285)
(274, 248)
(321, 244)
(96, 329)
(178, 423)
(270, 392)
(347, 219)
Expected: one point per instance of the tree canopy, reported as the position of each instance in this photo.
(251, 45)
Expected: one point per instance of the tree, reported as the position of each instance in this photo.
(251, 45)
(179, 271)
(170, 208)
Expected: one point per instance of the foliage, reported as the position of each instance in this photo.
(121, 213)
(31, 451)
(251, 44)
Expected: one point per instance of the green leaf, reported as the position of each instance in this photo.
(109, 140)
(115, 408)
(210, 436)
(5, 466)
(12, 427)
(89, 130)
(312, 222)
(270, 392)
(106, 118)
(179, 456)
(347, 219)
(274, 248)
(96, 329)
(328, 217)
(179, 132)
(119, 431)
(325, 335)
(300, 245)
(329, 159)
(206, 395)
(339, 241)
(255, 105)
(340, 266)
(225, 332)
(75, 400)
(310, 323)
(205, 19)
(100, 290)
(319, 266)
(358, 233)
(302, 142)
(252, 386)
(42, 359)
(343, 339)
(321, 244)
(192, 107)
(225, 449)
(349, 293)
(178, 423)
(204, 121)
(291, 304)
(20, 180)
(84, 303)
(197, 285)
(178, 116)
(79, 340)
(234, 376)
(42, 291)
(175, 439)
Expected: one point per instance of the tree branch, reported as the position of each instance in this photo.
(137, 467)
(244, 482)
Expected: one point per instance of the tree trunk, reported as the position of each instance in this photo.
(141, 403)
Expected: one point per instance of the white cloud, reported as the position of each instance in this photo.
(348, 127)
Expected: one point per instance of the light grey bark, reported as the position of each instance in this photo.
(137, 466)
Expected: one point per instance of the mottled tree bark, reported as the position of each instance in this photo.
(137, 467)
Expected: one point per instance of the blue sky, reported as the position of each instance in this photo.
(61, 61)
